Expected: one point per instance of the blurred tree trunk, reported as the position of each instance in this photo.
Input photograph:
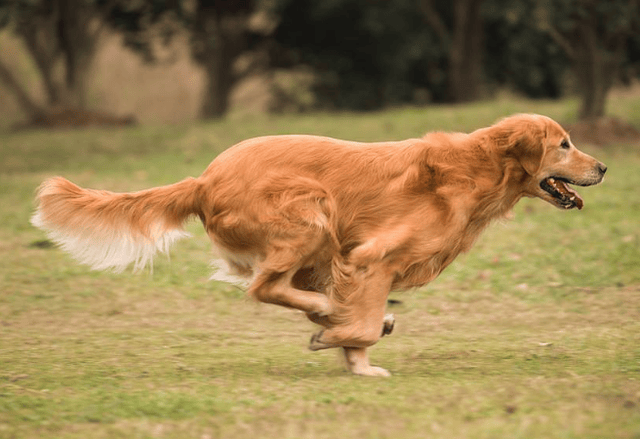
(465, 60)
(37, 27)
(40, 36)
(594, 66)
(79, 30)
(595, 69)
(219, 37)
(462, 41)
(593, 80)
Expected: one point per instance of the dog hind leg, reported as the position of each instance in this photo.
(275, 287)
(278, 281)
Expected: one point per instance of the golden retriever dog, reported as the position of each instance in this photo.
(327, 226)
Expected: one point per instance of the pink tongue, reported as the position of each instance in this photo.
(578, 199)
(566, 192)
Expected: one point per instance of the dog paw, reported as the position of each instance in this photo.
(316, 344)
(371, 371)
(388, 324)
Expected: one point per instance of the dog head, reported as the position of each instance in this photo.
(551, 162)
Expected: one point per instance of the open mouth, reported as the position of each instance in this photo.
(565, 196)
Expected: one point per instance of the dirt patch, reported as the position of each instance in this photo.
(604, 131)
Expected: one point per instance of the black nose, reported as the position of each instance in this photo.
(602, 168)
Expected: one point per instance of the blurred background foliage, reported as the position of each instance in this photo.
(72, 60)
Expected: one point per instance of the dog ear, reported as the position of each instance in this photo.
(529, 149)
(523, 138)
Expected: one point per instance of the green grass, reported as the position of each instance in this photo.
(534, 334)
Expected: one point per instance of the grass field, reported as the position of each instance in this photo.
(534, 334)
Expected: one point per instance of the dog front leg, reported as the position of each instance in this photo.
(357, 360)
(359, 320)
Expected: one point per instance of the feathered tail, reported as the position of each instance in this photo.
(111, 230)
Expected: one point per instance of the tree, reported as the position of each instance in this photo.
(67, 32)
(220, 31)
(36, 25)
(462, 39)
(372, 53)
(80, 28)
(594, 37)
(55, 32)
(517, 54)
(364, 54)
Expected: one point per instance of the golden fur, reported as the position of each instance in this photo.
(328, 226)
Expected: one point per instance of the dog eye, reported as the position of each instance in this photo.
(565, 144)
